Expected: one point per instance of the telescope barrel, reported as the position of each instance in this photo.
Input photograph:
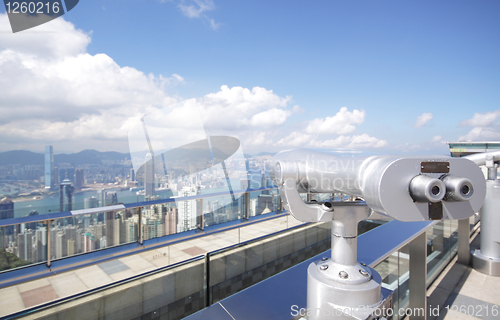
(405, 188)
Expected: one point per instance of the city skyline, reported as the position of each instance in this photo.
(391, 77)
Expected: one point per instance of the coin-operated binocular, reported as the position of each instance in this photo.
(404, 188)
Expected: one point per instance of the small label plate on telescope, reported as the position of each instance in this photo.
(434, 167)
(435, 210)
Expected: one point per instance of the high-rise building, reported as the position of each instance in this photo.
(61, 245)
(25, 246)
(55, 176)
(188, 210)
(41, 243)
(102, 197)
(7, 212)
(67, 173)
(79, 178)
(253, 207)
(132, 174)
(49, 168)
(66, 192)
(264, 183)
(111, 228)
(6, 208)
(71, 247)
(111, 198)
(32, 225)
(90, 202)
(171, 221)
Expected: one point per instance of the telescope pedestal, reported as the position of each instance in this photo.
(339, 287)
(330, 299)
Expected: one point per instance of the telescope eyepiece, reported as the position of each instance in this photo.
(457, 188)
(424, 188)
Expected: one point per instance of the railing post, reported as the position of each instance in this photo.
(201, 220)
(47, 240)
(140, 239)
(463, 241)
(418, 277)
(208, 295)
(247, 206)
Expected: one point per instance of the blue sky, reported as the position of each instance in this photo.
(368, 68)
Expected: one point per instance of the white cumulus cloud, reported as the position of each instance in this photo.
(56, 39)
(318, 132)
(485, 126)
(53, 91)
(481, 119)
(194, 8)
(76, 100)
(341, 123)
(242, 108)
(423, 119)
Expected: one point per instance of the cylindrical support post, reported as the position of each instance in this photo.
(418, 277)
(490, 221)
(463, 241)
(487, 259)
(345, 241)
(140, 239)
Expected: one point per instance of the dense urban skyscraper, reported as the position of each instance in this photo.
(66, 192)
(49, 168)
(187, 210)
(79, 178)
(67, 173)
(90, 202)
(6, 212)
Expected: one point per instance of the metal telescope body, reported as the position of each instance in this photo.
(404, 188)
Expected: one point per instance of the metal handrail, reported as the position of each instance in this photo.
(72, 213)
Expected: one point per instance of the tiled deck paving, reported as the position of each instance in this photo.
(32, 293)
(461, 286)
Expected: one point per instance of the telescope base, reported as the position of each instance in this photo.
(484, 264)
(329, 299)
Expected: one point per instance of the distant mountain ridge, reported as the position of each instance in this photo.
(88, 156)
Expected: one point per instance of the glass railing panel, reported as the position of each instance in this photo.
(453, 227)
(22, 245)
(173, 293)
(161, 220)
(90, 232)
(235, 269)
(276, 200)
(217, 210)
(389, 272)
(438, 248)
(403, 278)
(262, 202)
